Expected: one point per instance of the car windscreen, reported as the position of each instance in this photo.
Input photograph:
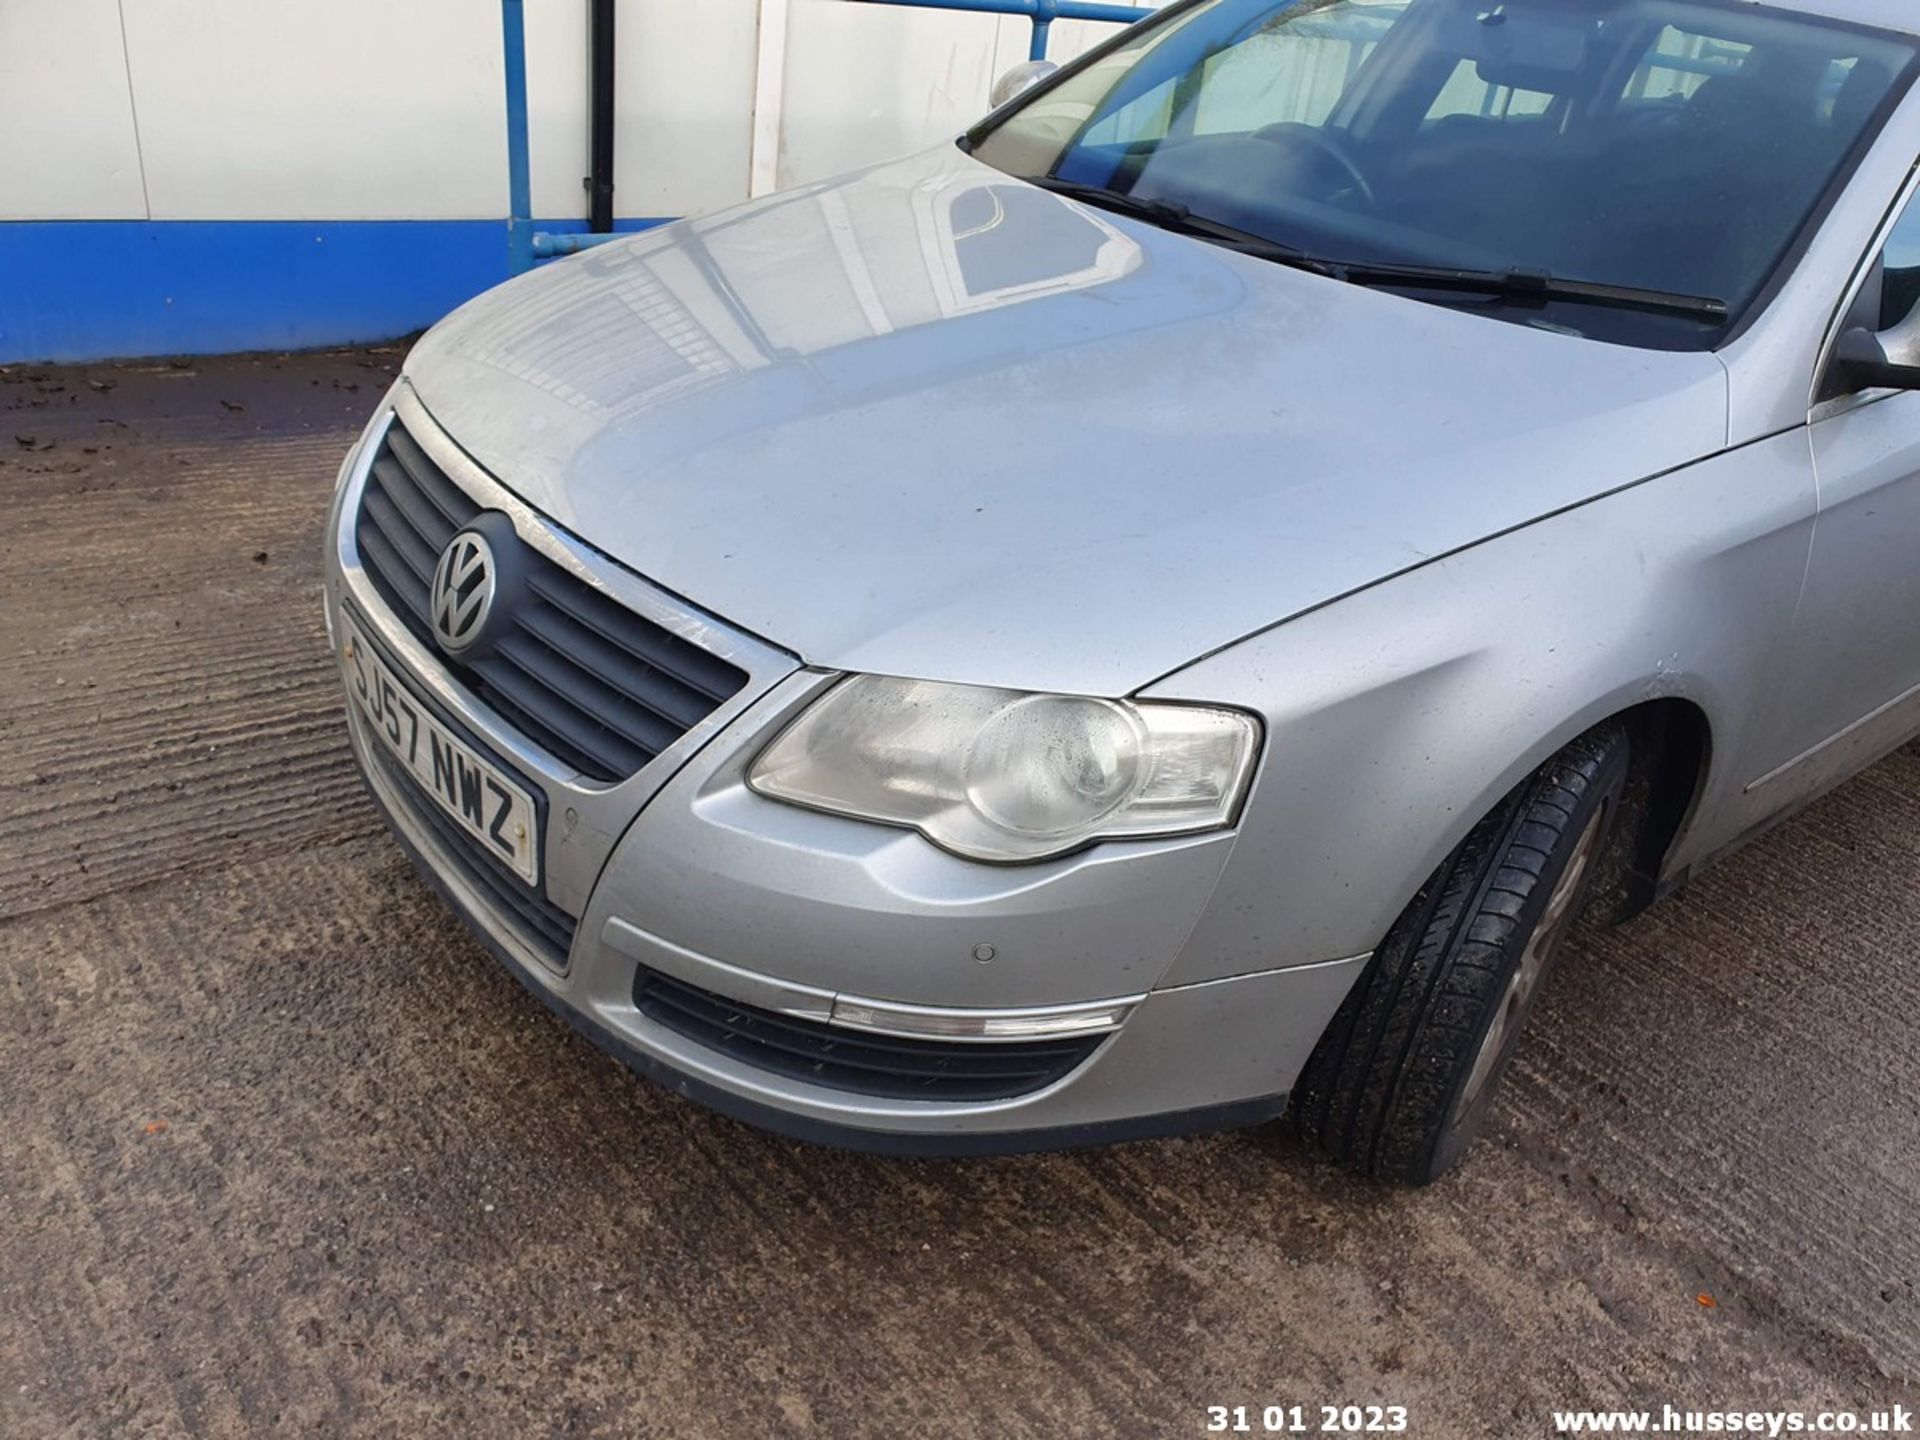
(1671, 147)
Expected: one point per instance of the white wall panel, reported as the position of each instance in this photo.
(70, 151)
(867, 82)
(683, 87)
(394, 109)
(315, 109)
(686, 105)
(1073, 38)
(557, 107)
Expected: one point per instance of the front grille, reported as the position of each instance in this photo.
(544, 926)
(842, 1059)
(599, 687)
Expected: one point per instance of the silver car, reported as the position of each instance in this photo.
(1161, 613)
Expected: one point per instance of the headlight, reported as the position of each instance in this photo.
(1006, 776)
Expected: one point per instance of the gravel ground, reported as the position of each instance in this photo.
(284, 1152)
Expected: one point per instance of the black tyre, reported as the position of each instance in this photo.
(1401, 1082)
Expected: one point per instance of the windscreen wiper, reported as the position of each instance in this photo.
(1526, 286)
(1536, 286)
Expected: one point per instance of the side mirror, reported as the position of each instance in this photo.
(1023, 76)
(1887, 360)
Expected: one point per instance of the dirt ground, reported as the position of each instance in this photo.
(282, 1151)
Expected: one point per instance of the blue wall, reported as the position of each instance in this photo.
(97, 289)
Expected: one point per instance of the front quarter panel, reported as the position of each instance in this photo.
(1400, 715)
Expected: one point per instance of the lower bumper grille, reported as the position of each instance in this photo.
(542, 925)
(843, 1059)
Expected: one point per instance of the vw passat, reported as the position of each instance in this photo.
(1163, 612)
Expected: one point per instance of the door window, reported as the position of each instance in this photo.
(1680, 63)
(1901, 292)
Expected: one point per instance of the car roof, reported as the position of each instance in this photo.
(1900, 15)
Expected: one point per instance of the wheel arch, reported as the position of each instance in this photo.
(1671, 742)
(1365, 791)
(1672, 756)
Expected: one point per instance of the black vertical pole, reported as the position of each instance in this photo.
(600, 164)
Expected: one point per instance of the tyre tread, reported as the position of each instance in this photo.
(1380, 1084)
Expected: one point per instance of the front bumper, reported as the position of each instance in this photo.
(681, 872)
(1202, 1014)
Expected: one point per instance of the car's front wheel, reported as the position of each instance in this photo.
(1402, 1080)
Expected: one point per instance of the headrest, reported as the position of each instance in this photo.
(1866, 87)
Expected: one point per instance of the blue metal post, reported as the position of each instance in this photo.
(513, 25)
(1043, 11)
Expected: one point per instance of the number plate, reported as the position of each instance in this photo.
(499, 814)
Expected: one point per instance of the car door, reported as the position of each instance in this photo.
(1856, 671)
